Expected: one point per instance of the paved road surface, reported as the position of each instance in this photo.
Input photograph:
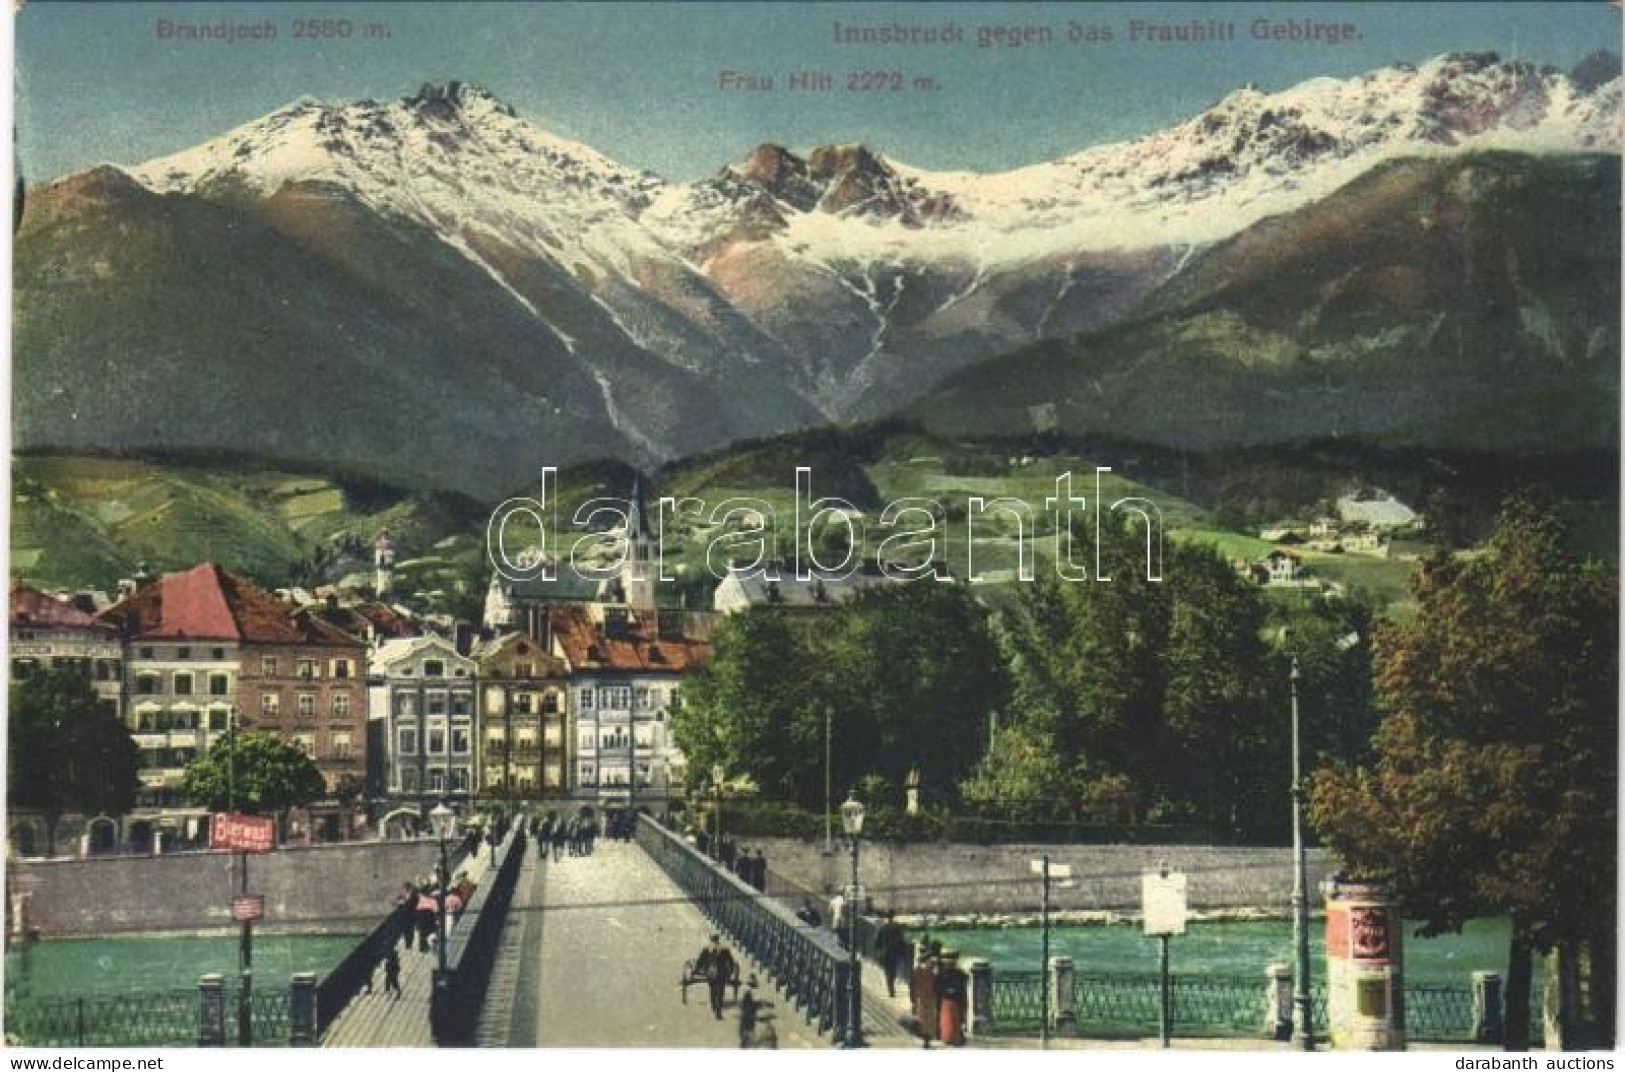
(604, 949)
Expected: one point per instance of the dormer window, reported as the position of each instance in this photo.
(434, 668)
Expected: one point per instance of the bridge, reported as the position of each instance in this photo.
(589, 952)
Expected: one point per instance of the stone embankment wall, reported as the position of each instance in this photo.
(339, 887)
(956, 879)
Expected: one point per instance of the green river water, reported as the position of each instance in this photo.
(1230, 948)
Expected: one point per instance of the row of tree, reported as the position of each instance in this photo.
(1115, 701)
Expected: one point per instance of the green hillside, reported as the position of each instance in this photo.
(80, 521)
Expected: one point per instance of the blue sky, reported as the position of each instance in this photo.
(640, 81)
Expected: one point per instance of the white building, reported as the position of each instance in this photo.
(424, 690)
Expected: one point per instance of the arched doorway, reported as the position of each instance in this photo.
(400, 824)
(101, 835)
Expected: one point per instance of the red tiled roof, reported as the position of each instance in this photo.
(33, 609)
(209, 603)
(636, 648)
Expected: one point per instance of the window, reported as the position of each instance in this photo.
(409, 779)
(219, 685)
(437, 703)
(147, 685)
(183, 653)
(219, 655)
(403, 706)
(304, 669)
(434, 668)
(107, 670)
(219, 720)
(642, 696)
(589, 775)
(585, 702)
(341, 746)
(437, 740)
(307, 705)
(183, 684)
(437, 781)
(459, 703)
(341, 705)
(459, 740)
(145, 653)
(270, 704)
(305, 742)
(523, 670)
(461, 672)
(524, 703)
(459, 780)
(676, 701)
(615, 698)
(408, 740)
(550, 703)
(588, 741)
(341, 668)
(268, 666)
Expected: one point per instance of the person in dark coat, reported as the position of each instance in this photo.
(758, 872)
(892, 950)
(392, 972)
(717, 965)
(748, 1006)
(809, 913)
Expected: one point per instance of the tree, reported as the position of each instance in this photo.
(67, 752)
(750, 708)
(254, 774)
(1494, 785)
(1134, 697)
(908, 675)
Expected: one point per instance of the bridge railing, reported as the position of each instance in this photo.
(355, 971)
(806, 963)
(454, 1005)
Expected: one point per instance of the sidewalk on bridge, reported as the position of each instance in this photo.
(378, 1019)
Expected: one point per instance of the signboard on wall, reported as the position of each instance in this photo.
(1162, 893)
(241, 833)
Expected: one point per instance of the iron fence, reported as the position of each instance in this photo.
(805, 962)
(164, 1018)
(1127, 1004)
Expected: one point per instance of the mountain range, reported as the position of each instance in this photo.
(435, 291)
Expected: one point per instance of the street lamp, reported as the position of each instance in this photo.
(852, 824)
(716, 826)
(443, 820)
(1300, 900)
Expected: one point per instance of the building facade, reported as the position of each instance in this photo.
(524, 718)
(625, 678)
(49, 632)
(207, 653)
(425, 694)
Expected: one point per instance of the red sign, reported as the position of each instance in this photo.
(242, 833)
(246, 907)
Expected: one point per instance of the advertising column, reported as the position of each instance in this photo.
(1365, 981)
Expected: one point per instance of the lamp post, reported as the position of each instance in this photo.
(1300, 899)
(829, 800)
(717, 774)
(852, 824)
(443, 819)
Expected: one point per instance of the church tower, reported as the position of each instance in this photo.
(639, 570)
(383, 561)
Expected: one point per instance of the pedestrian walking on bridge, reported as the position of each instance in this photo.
(716, 963)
